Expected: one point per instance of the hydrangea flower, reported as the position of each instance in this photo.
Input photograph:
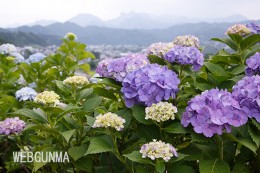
(47, 97)
(11, 126)
(76, 81)
(253, 65)
(109, 120)
(185, 56)
(254, 28)
(25, 93)
(35, 58)
(161, 111)
(18, 58)
(247, 93)
(158, 149)
(150, 84)
(238, 29)
(159, 49)
(118, 68)
(8, 49)
(187, 40)
(71, 36)
(213, 111)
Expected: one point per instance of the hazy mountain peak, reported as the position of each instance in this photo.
(85, 19)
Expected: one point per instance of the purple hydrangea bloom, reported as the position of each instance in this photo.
(254, 28)
(185, 56)
(118, 68)
(253, 64)
(247, 93)
(213, 111)
(150, 84)
(11, 126)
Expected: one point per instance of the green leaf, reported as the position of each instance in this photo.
(69, 108)
(237, 78)
(159, 166)
(32, 114)
(254, 133)
(92, 103)
(238, 70)
(215, 69)
(236, 38)
(84, 164)
(99, 145)
(136, 156)
(213, 166)
(195, 137)
(62, 87)
(175, 127)
(72, 122)
(105, 93)
(68, 134)
(240, 168)
(84, 94)
(156, 60)
(203, 86)
(38, 165)
(181, 169)
(78, 151)
(226, 41)
(139, 114)
(250, 41)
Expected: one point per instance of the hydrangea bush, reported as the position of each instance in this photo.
(169, 110)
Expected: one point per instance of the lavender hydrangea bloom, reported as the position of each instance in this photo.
(253, 65)
(35, 58)
(254, 28)
(185, 56)
(118, 68)
(150, 84)
(25, 93)
(247, 93)
(213, 111)
(11, 126)
(7, 49)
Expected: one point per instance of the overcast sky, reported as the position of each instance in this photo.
(27, 11)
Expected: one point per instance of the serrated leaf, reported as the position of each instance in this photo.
(136, 156)
(215, 69)
(203, 86)
(105, 93)
(139, 114)
(226, 41)
(255, 134)
(175, 127)
(236, 38)
(159, 166)
(238, 70)
(99, 145)
(68, 134)
(250, 41)
(213, 166)
(62, 87)
(84, 164)
(31, 114)
(240, 168)
(92, 103)
(156, 60)
(77, 151)
(84, 94)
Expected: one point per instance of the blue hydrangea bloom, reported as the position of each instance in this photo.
(35, 58)
(253, 65)
(118, 68)
(7, 49)
(185, 56)
(247, 93)
(18, 58)
(150, 84)
(25, 93)
(212, 112)
(254, 28)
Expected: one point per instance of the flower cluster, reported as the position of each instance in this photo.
(159, 49)
(76, 81)
(253, 65)
(18, 58)
(11, 126)
(187, 40)
(150, 84)
(254, 28)
(185, 56)
(8, 49)
(247, 93)
(47, 97)
(25, 93)
(35, 58)
(118, 68)
(109, 120)
(213, 111)
(161, 111)
(71, 36)
(238, 29)
(158, 149)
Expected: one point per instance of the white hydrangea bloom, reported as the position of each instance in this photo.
(8, 49)
(187, 40)
(76, 80)
(238, 29)
(71, 36)
(18, 58)
(109, 120)
(159, 48)
(47, 97)
(161, 111)
(25, 93)
(158, 149)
